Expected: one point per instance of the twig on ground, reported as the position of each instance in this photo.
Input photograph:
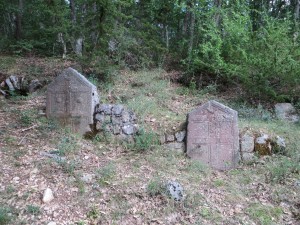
(22, 139)
(29, 128)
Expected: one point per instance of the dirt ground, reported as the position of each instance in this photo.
(100, 181)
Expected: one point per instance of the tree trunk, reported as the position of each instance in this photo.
(62, 41)
(192, 32)
(19, 20)
(73, 11)
(77, 40)
(297, 8)
(218, 5)
(167, 36)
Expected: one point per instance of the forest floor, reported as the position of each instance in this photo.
(109, 182)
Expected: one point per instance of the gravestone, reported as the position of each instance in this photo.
(213, 136)
(72, 99)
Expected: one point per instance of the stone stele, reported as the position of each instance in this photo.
(72, 99)
(213, 136)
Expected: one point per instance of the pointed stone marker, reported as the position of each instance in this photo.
(213, 136)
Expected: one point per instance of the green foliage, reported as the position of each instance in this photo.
(156, 186)
(145, 140)
(32, 209)
(67, 144)
(279, 171)
(106, 173)
(5, 215)
(26, 117)
(263, 213)
(249, 43)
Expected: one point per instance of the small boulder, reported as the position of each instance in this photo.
(34, 85)
(247, 141)
(162, 139)
(99, 117)
(175, 190)
(286, 112)
(263, 145)
(170, 137)
(176, 146)
(48, 195)
(116, 120)
(248, 157)
(105, 108)
(278, 145)
(51, 223)
(129, 129)
(126, 116)
(9, 84)
(180, 135)
(117, 110)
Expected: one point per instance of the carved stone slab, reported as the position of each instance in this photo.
(213, 136)
(72, 99)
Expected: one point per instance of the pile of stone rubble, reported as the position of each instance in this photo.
(18, 85)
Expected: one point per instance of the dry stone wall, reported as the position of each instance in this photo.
(116, 120)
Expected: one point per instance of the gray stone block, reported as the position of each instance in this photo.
(180, 136)
(117, 110)
(175, 190)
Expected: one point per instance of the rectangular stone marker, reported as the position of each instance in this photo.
(72, 99)
(213, 136)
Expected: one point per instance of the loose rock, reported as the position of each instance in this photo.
(175, 190)
(48, 195)
(180, 136)
(176, 146)
(263, 145)
(286, 112)
(117, 109)
(51, 223)
(170, 137)
(279, 145)
(128, 129)
(247, 142)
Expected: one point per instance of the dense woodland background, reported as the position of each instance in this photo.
(250, 44)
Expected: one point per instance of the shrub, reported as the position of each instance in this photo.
(145, 140)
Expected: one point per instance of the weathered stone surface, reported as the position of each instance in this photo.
(34, 85)
(170, 137)
(72, 99)
(247, 141)
(9, 84)
(175, 190)
(116, 129)
(286, 112)
(48, 195)
(133, 117)
(278, 145)
(51, 223)
(14, 80)
(213, 136)
(162, 139)
(248, 156)
(100, 117)
(180, 136)
(126, 116)
(178, 146)
(263, 145)
(116, 120)
(105, 108)
(117, 110)
(128, 129)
